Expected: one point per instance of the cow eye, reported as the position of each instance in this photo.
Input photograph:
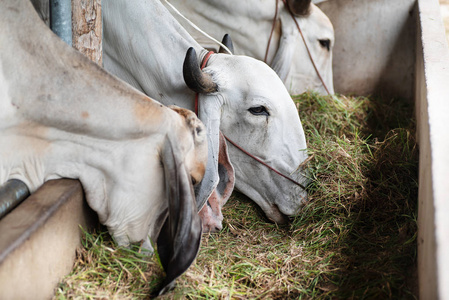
(325, 43)
(259, 111)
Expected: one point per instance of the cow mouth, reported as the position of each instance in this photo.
(275, 215)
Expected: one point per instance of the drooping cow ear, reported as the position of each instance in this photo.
(225, 171)
(299, 8)
(283, 58)
(211, 214)
(210, 115)
(228, 43)
(179, 239)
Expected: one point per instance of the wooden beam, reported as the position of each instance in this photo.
(87, 29)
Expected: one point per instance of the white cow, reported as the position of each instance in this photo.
(249, 24)
(239, 95)
(63, 116)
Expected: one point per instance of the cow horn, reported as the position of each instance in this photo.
(299, 7)
(228, 43)
(197, 80)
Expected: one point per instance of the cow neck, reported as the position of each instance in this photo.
(203, 65)
(303, 39)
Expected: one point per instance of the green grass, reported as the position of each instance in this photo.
(354, 239)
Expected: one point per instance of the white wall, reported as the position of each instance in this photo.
(374, 49)
(432, 102)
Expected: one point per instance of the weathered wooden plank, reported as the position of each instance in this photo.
(87, 29)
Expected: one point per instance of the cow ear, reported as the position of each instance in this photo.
(283, 59)
(225, 172)
(228, 43)
(209, 114)
(211, 214)
(179, 239)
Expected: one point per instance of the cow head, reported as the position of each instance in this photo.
(300, 75)
(257, 113)
(250, 23)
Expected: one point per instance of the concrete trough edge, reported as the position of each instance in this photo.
(39, 240)
(432, 111)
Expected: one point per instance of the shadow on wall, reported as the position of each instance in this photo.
(398, 64)
(374, 49)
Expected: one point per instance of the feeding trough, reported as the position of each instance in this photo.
(398, 50)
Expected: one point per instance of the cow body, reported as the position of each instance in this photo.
(63, 116)
(144, 45)
(249, 24)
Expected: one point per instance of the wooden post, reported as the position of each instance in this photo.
(87, 29)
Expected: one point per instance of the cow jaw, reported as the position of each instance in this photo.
(275, 195)
(271, 209)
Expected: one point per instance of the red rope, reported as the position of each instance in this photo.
(196, 104)
(206, 59)
(263, 163)
(271, 33)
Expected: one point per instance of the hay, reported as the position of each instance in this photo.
(355, 238)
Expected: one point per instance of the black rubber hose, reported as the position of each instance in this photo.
(12, 193)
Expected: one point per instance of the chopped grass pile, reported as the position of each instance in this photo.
(104, 271)
(363, 199)
(354, 238)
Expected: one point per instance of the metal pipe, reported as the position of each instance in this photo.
(12, 193)
(61, 19)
